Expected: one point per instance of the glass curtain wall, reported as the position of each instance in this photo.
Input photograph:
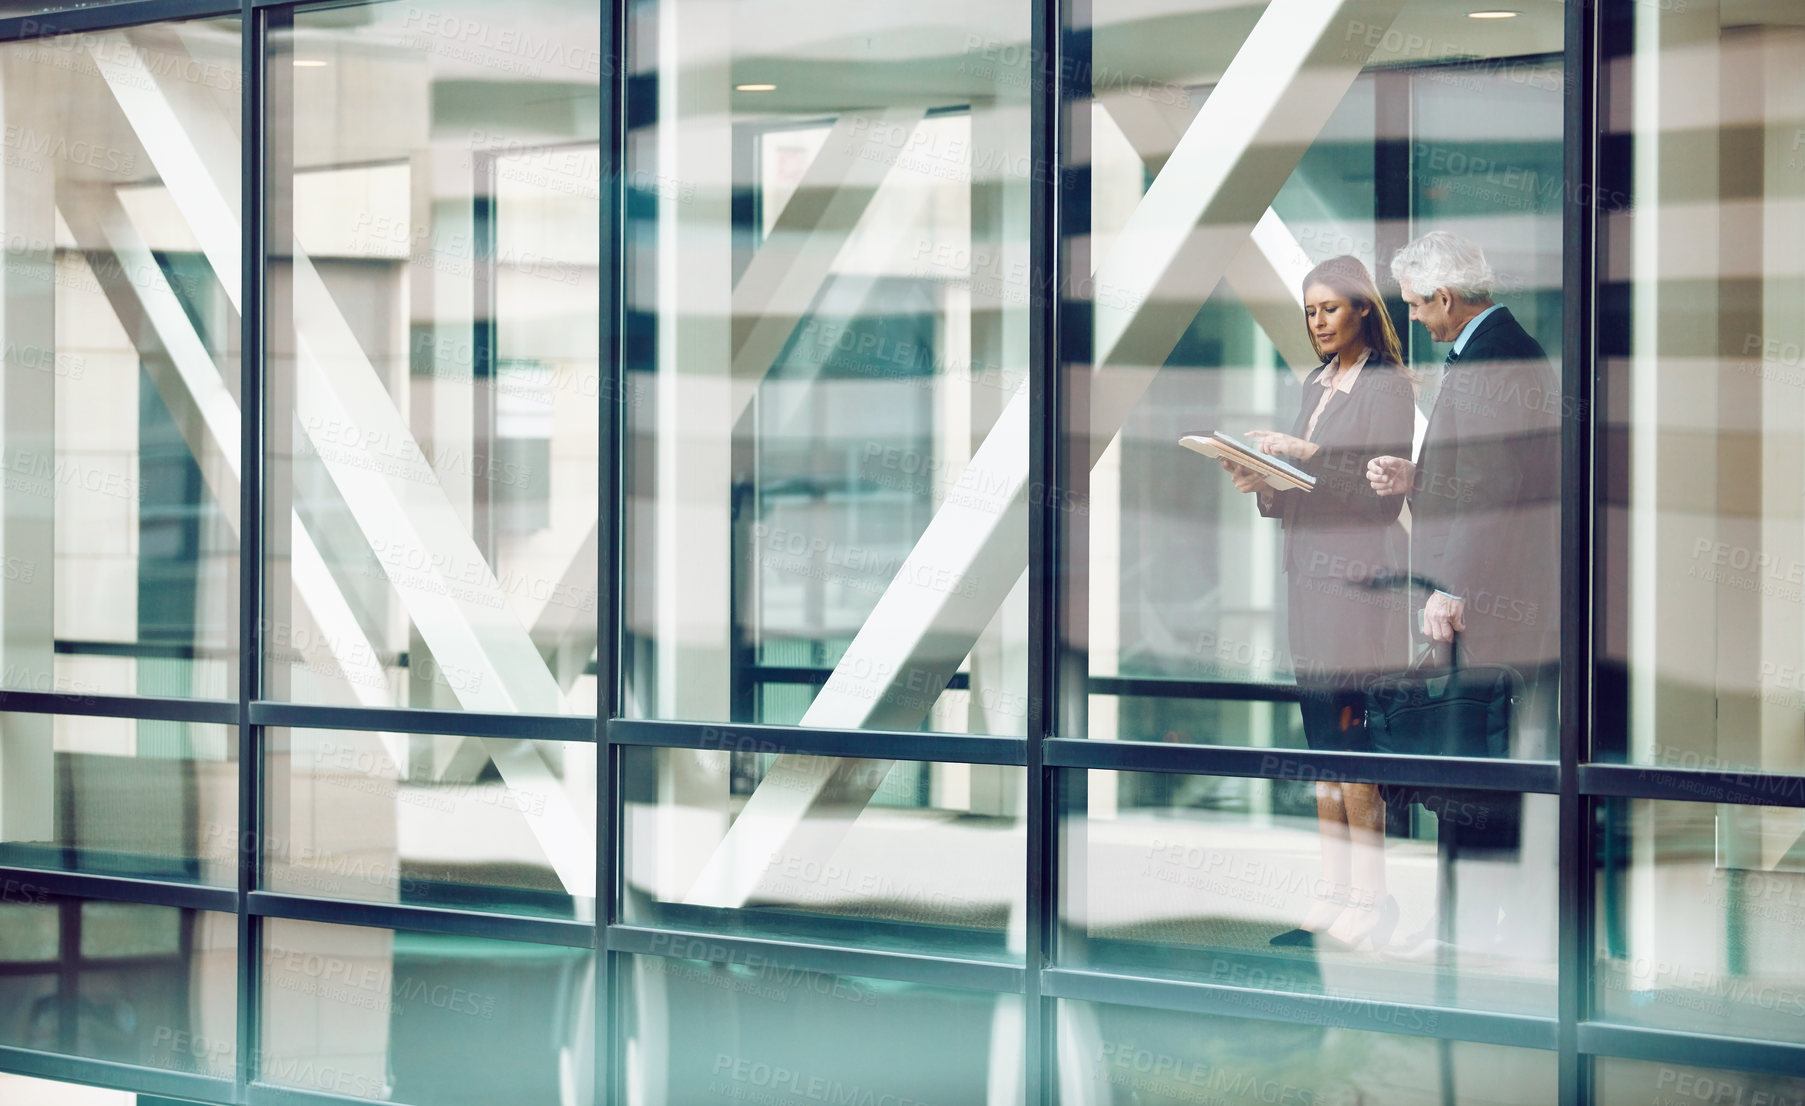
(1105, 553)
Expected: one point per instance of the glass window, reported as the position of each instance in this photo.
(1702, 634)
(827, 334)
(119, 450)
(19, 1088)
(431, 1020)
(1646, 1083)
(1128, 1056)
(481, 823)
(1227, 880)
(121, 796)
(434, 377)
(1700, 919)
(125, 982)
(1287, 235)
(890, 854)
(756, 1029)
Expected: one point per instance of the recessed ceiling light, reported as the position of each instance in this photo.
(1498, 13)
(755, 87)
(309, 63)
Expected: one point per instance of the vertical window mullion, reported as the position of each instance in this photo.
(1578, 358)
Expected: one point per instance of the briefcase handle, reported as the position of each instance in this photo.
(1408, 580)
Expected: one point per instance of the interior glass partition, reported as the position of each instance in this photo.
(827, 321)
(432, 329)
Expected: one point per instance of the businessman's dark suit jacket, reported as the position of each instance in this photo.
(1486, 500)
(1341, 534)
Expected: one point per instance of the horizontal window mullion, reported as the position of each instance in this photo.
(1161, 687)
(104, 17)
(112, 1074)
(1370, 1015)
(422, 919)
(1704, 1050)
(120, 706)
(1534, 777)
(1691, 785)
(24, 885)
(454, 723)
(270, 1094)
(766, 953)
(876, 744)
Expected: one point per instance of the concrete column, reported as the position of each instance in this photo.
(29, 95)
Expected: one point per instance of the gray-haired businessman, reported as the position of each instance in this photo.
(1484, 491)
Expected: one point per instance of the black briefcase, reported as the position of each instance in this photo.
(1449, 710)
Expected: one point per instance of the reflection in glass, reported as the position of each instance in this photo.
(1194, 877)
(432, 820)
(876, 853)
(43, 1092)
(119, 453)
(149, 985)
(758, 1029)
(424, 1019)
(1618, 1082)
(1701, 918)
(127, 797)
(434, 375)
(1394, 142)
(828, 311)
(1126, 1056)
(1702, 390)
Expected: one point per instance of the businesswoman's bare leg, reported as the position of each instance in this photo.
(1337, 872)
(1370, 911)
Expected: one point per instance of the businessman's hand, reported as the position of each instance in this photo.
(1390, 475)
(1246, 479)
(1282, 445)
(1442, 615)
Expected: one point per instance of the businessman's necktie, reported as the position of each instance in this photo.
(1453, 356)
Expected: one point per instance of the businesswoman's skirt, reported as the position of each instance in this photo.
(1344, 636)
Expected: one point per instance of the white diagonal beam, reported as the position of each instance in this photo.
(1267, 272)
(786, 274)
(472, 625)
(770, 298)
(183, 372)
(1291, 73)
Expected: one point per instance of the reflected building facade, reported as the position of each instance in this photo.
(565, 554)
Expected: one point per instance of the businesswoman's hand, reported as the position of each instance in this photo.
(1282, 445)
(1246, 480)
(1390, 475)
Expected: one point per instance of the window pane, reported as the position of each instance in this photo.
(119, 449)
(121, 796)
(1701, 918)
(1123, 1055)
(431, 1020)
(1702, 543)
(434, 375)
(1642, 1083)
(827, 406)
(1230, 881)
(477, 823)
(19, 1088)
(877, 853)
(135, 984)
(758, 1030)
(1381, 156)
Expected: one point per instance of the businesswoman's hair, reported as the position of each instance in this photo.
(1348, 278)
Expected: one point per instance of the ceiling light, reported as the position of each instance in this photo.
(755, 88)
(1497, 13)
(309, 63)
